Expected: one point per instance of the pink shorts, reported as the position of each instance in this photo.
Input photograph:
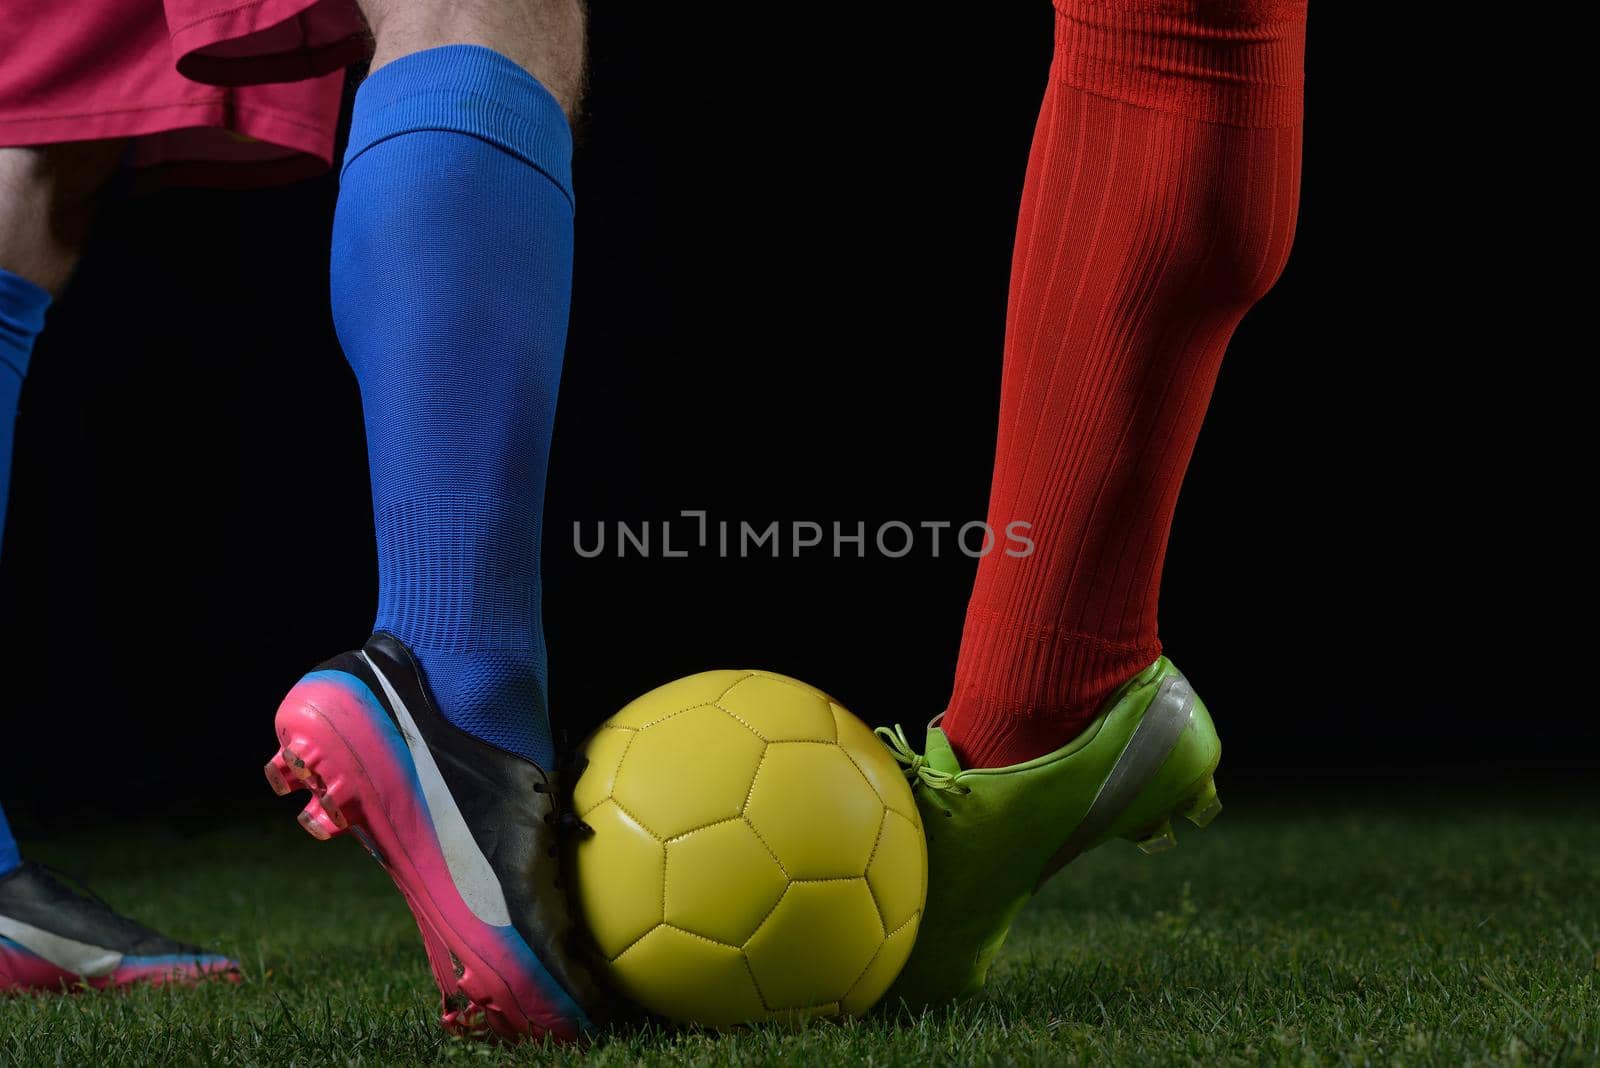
(216, 92)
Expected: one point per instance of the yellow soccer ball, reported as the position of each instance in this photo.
(756, 852)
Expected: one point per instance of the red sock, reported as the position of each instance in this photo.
(1159, 206)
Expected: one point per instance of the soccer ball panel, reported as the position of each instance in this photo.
(781, 709)
(675, 696)
(898, 873)
(816, 944)
(875, 981)
(603, 751)
(685, 977)
(814, 810)
(721, 882)
(623, 868)
(876, 763)
(688, 771)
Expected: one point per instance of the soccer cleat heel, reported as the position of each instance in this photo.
(1166, 771)
(318, 730)
(1199, 808)
(461, 827)
(323, 816)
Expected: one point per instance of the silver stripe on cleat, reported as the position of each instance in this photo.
(1153, 741)
(469, 868)
(68, 954)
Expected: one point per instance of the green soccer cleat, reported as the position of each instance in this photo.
(995, 835)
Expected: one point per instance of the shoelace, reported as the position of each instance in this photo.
(570, 823)
(566, 822)
(916, 766)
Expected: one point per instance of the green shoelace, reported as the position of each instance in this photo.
(915, 764)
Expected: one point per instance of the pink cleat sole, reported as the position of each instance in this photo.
(22, 970)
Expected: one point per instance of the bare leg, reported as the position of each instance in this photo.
(544, 37)
(47, 202)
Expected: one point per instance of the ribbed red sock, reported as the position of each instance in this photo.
(1159, 205)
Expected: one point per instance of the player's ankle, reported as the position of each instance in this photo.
(1016, 739)
(1023, 718)
(497, 695)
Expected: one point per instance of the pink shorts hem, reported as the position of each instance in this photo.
(289, 147)
(255, 121)
(270, 41)
(104, 69)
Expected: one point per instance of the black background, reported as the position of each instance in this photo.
(793, 243)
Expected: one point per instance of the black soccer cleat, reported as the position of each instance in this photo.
(53, 938)
(467, 831)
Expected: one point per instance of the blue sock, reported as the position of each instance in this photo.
(452, 275)
(22, 308)
(9, 857)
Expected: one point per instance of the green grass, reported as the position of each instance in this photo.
(1308, 933)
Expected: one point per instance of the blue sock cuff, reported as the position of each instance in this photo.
(467, 89)
(22, 308)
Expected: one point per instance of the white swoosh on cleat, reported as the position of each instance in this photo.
(1160, 726)
(469, 868)
(69, 955)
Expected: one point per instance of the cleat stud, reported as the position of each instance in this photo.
(313, 828)
(1204, 817)
(1158, 840)
(314, 818)
(297, 762)
(468, 1021)
(334, 813)
(274, 771)
(1203, 807)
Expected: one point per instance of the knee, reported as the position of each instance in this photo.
(48, 195)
